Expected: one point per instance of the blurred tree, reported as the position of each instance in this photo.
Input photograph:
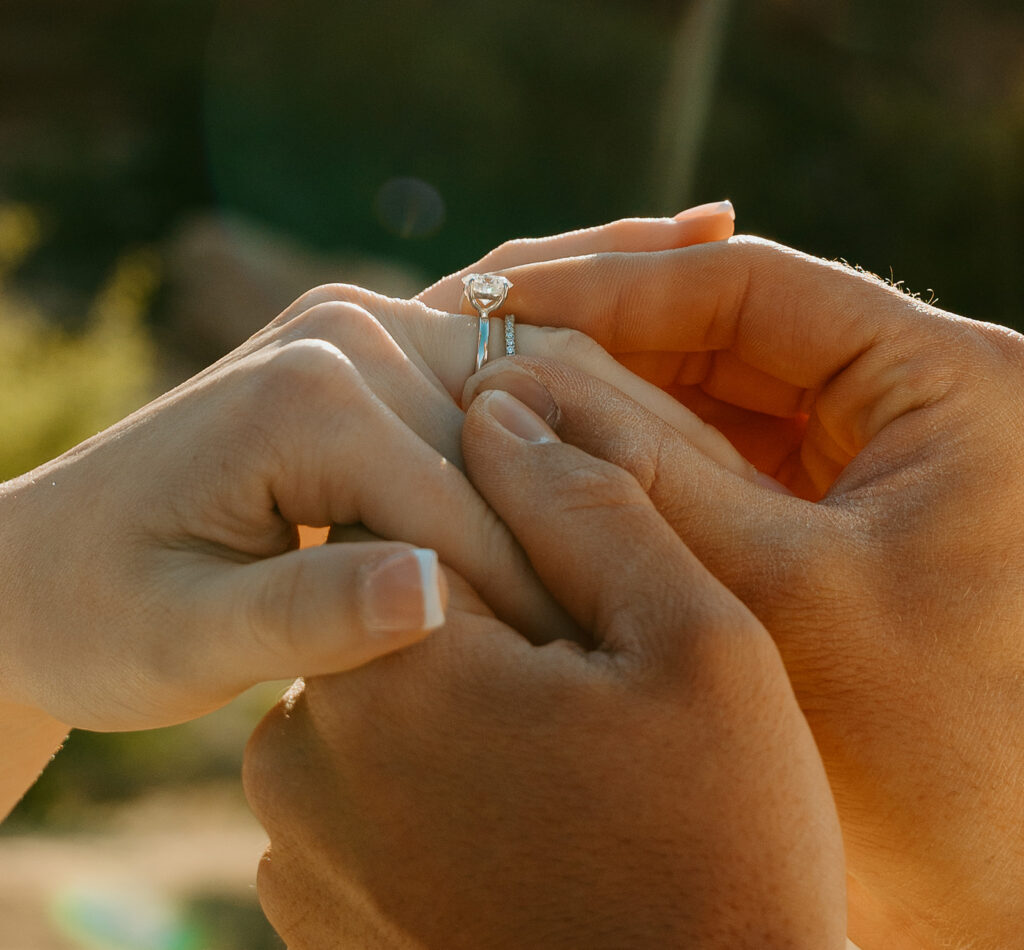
(57, 389)
(889, 133)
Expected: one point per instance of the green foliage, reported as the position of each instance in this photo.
(58, 388)
(228, 923)
(96, 770)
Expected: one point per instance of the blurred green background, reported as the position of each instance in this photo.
(173, 172)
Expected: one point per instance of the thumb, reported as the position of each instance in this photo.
(769, 548)
(596, 541)
(324, 609)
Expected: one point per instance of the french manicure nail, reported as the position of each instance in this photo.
(404, 592)
(701, 211)
(517, 418)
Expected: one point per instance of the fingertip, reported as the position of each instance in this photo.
(707, 224)
(403, 594)
(434, 586)
(708, 210)
(515, 417)
(519, 382)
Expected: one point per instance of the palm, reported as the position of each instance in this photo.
(771, 443)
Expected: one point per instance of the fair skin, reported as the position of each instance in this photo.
(182, 586)
(656, 788)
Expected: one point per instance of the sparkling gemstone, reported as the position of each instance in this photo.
(486, 292)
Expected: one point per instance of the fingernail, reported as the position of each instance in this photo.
(515, 417)
(701, 211)
(518, 382)
(405, 592)
(766, 481)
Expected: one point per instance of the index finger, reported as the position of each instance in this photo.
(709, 222)
(597, 542)
(753, 323)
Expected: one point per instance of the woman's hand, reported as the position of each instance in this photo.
(659, 788)
(150, 574)
(896, 601)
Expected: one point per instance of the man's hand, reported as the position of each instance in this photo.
(896, 601)
(658, 788)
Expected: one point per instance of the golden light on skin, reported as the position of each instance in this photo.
(312, 537)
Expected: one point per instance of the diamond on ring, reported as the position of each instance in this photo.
(486, 292)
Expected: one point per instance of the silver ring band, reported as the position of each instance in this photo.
(486, 292)
(510, 334)
(482, 340)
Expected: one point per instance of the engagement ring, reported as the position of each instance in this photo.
(487, 292)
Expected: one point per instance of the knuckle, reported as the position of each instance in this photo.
(756, 249)
(570, 346)
(597, 484)
(334, 320)
(324, 293)
(270, 609)
(504, 253)
(301, 375)
(301, 366)
(623, 231)
(758, 259)
(334, 292)
(697, 640)
(724, 655)
(655, 455)
(269, 417)
(625, 288)
(813, 584)
(285, 896)
(261, 762)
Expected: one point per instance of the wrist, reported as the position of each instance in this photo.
(15, 589)
(29, 736)
(30, 740)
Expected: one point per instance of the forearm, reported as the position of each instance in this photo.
(29, 739)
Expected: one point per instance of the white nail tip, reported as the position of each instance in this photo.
(433, 612)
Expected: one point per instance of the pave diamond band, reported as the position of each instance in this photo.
(486, 292)
(510, 334)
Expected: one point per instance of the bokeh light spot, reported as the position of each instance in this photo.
(409, 208)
